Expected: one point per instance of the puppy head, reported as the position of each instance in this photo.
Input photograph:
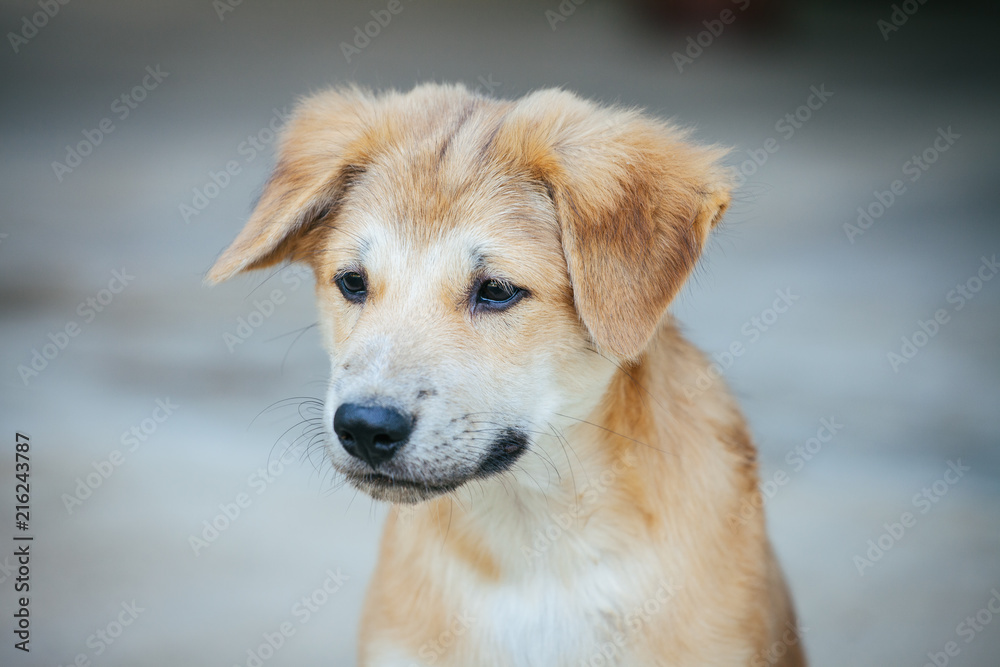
(478, 264)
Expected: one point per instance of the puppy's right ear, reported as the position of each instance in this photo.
(635, 201)
(323, 147)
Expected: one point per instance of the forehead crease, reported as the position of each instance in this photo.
(440, 138)
(440, 177)
(456, 127)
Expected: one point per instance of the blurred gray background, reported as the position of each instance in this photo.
(114, 529)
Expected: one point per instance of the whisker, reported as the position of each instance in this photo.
(301, 333)
(631, 377)
(564, 443)
(282, 403)
(265, 280)
(613, 432)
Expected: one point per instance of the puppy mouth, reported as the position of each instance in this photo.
(399, 490)
(503, 453)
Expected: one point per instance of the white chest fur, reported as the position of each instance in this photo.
(545, 621)
(591, 621)
(570, 593)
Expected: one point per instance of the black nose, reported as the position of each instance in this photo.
(370, 432)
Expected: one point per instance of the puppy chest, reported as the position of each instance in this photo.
(542, 622)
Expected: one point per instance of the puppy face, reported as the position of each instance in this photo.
(446, 306)
(481, 267)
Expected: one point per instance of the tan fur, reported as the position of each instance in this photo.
(614, 536)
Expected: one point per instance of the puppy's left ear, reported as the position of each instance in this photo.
(322, 149)
(635, 202)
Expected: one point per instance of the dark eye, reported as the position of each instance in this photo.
(353, 286)
(497, 294)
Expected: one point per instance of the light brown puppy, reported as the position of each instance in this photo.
(493, 280)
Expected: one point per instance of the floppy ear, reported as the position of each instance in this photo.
(635, 202)
(322, 148)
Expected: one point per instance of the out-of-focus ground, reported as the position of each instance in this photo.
(162, 336)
